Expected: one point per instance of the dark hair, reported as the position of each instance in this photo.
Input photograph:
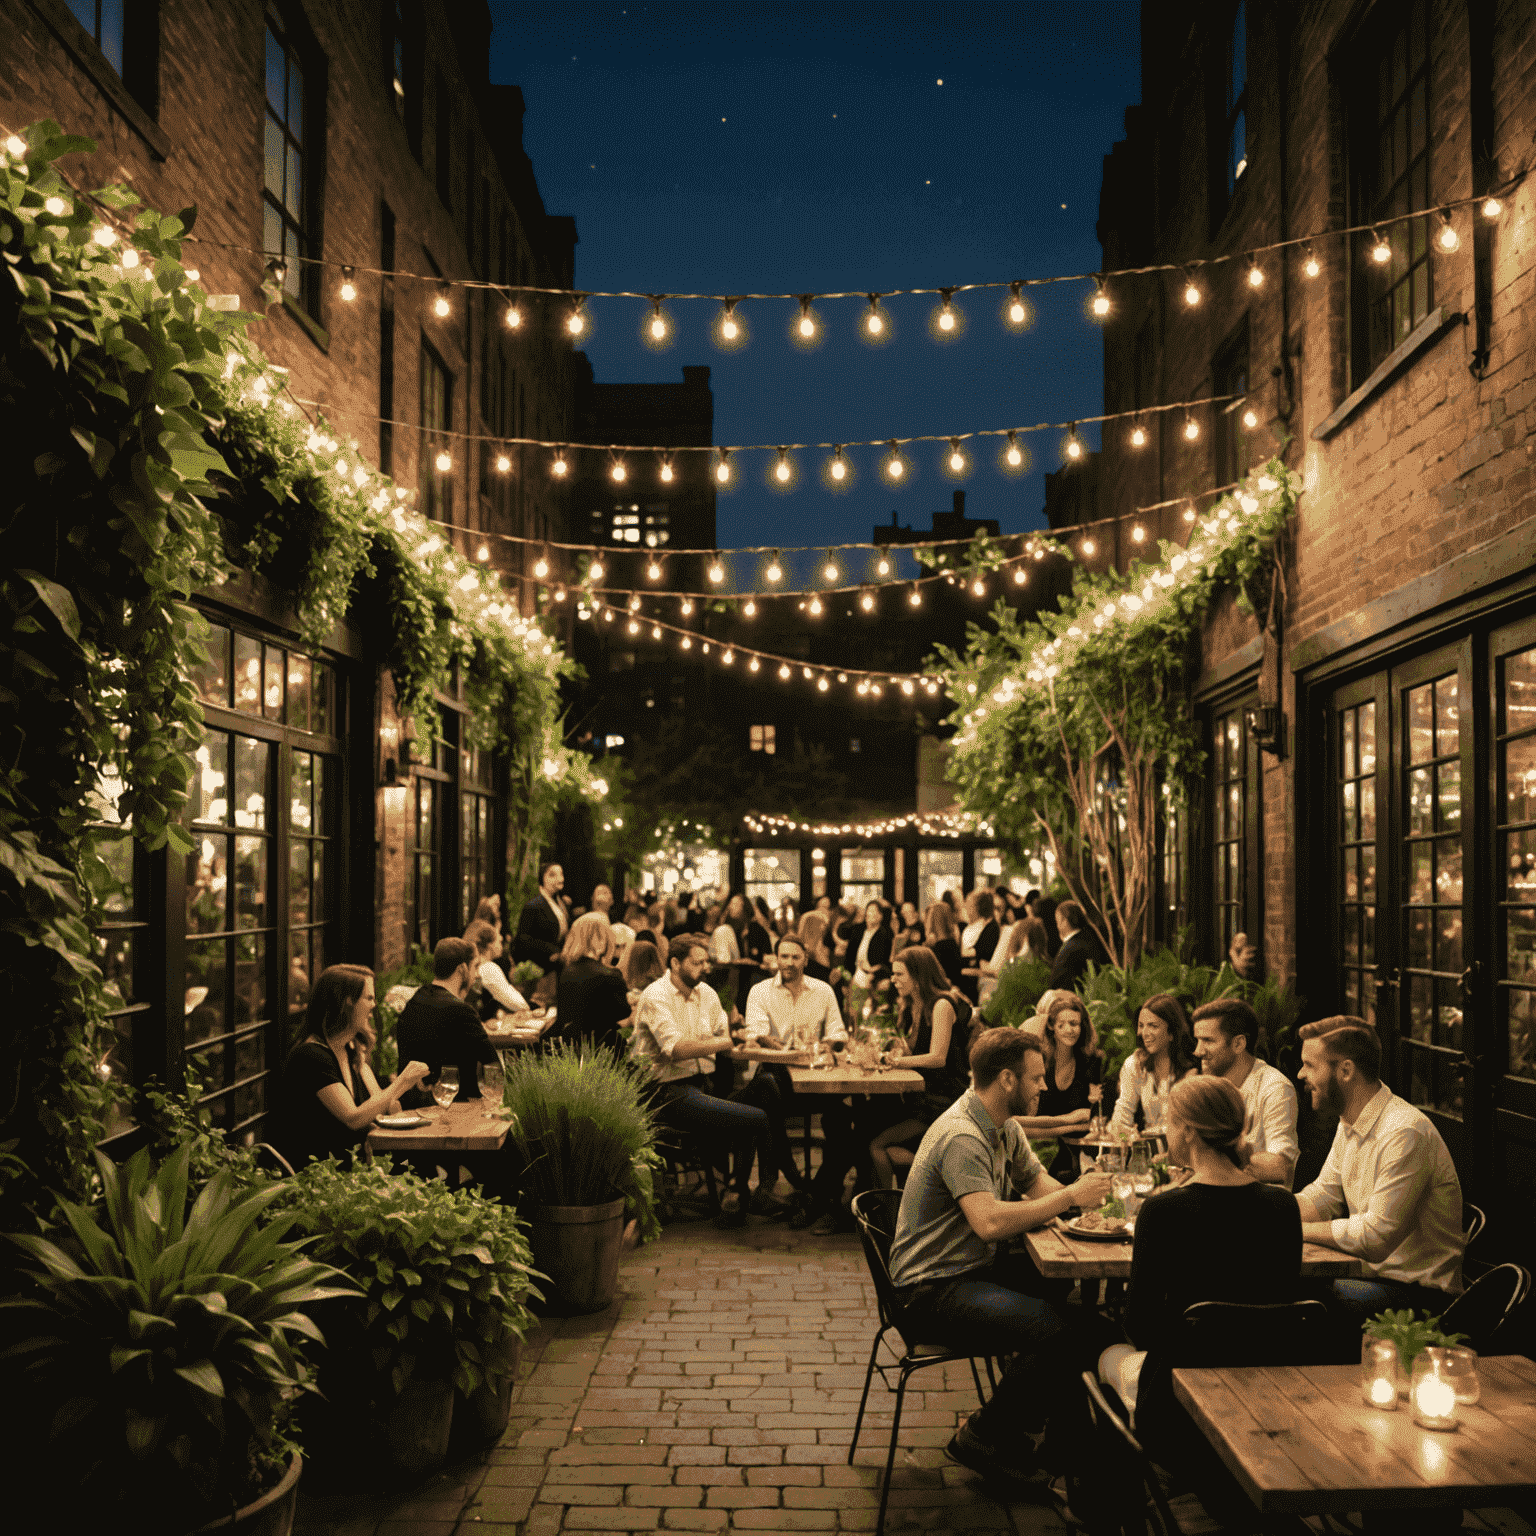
(642, 965)
(482, 935)
(332, 999)
(790, 938)
(1045, 910)
(764, 912)
(1001, 1050)
(548, 865)
(449, 955)
(684, 944)
(1232, 1016)
(932, 984)
(1031, 895)
(887, 912)
(489, 911)
(984, 903)
(1087, 1047)
(1071, 913)
(1212, 1109)
(1165, 1006)
(1345, 1038)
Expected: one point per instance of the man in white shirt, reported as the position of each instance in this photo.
(680, 1028)
(1226, 1032)
(1388, 1193)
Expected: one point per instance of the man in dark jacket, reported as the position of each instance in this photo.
(544, 923)
(438, 1027)
(1078, 947)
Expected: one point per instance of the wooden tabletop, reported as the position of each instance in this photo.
(1300, 1440)
(462, 1127)
(1062, 1257)
(846, 1079)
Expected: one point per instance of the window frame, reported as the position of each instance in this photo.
(1208, 906)
(436, 487)
(1230, 375)
(302, 280)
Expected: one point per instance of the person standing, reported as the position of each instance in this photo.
(438, 1027)
(1226, 1032)
(1079, 947)
(1388, 1193)
(939, 932)
(544, 923)
(978, 941)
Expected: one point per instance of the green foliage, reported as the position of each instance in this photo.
(584, 1127)
(445, 1275)
(1020, 985)
(1410, 1334)
(525, 975)
(416, 972)
(175, 1125)
(159, 1345)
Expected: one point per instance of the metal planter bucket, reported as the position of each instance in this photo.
(578, 1247)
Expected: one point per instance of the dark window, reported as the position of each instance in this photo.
(402, 65)
(423, 878)
(1230, 375)
(1355, 823)
(435, 483)
(1235, 100)
(1175, 887)
(287, 196)
(397, 60)
(485, 228)
(1516, 816)
(1390, 177)
(103, 19)
(1231, 897)
(442, 146)
(120, 935)
(478, 828)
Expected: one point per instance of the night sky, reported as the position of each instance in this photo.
(791, 148)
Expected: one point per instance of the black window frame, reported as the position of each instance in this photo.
(1231, 156)
(434, 485)
(1223, 908)
(301, 284)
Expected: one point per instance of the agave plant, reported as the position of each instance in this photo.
(162, 1346)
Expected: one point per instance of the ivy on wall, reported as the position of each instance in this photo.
(156, 452)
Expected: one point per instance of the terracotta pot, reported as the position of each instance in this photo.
(419, 1425)
(270, 1515)
(578, 1247)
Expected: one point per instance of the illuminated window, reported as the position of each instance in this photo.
(761, 739)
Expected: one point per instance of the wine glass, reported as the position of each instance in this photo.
(492, 1086)
(446, 1089)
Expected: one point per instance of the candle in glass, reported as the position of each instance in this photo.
(1460, 1369)
(1433, 1395)
(1378, 1373)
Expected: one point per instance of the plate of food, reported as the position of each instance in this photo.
(1105, 1225)
(403, 1122)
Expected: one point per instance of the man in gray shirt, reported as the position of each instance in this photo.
(976, 1182)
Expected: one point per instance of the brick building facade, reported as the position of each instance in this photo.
(1380, 832)
(360, 134)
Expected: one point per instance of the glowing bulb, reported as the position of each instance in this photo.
(666, 471)
(658, 325)
(1492, 207)
(483, 553)
(839, 466)
(723, 468)
(687, 643)
(1100, 303)
(946, 317)
(784, 672)
(1089, 547)
(867, 602)
(1250, 418)
(576, 322)
(716, 571)
(821, 685)
(814, 607)
(750, 609)
(348, 287)
(503, 464)
(541, 570)
(634, 628)
(618, 471)
(595, 570)
(807, 324)
(559, 467)
(104, 236)
(1020, 576)
(1138, 534)
(130, 256)
(830, 571)
(686, 608)
(874, 321)
(1310, 265)
(781, 469)
(1189, 514)
(1191, 429)
(1018, 311)
(1381, 252)
(16, 146)
(1383, 1392)
(559, 594)
(1015, 454)
(754, 665)
(729, 329)
(1074, 445)
(444, 462)
(884, 567)
(729, 657)
(1447, 239)
(441, 307)
(978, 588)
(1138, 436)
(893, 465)
(1191, 293)
(1255, 275)
(513, 317)
(56, 206)
(775, 571)
(915, 597)
(653, 571)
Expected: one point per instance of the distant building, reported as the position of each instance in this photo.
(953, 524)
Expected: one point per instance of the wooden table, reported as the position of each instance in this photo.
(462, 1127)
(846, 1079)
(1300, 1440)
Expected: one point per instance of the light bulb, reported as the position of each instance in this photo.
(1447, 239)
(1191, 429)
(754, 665)
(1310, 265)
(814, 607)
(1138, 436)
(723, 468)
(1492, 207)
(16, 146)
(595, 570)
(784, 672)
(978, 588)
(444, 462)
(830, 571)
(483, 553)
(1100, 303)
(1250, 418)
(1020, 576)
(946, 317)
(716, 570)
(775, 571)
(894, 468)
(130, 257)
(503, 463)
(666, 471)
(1255, 275)
(884, 567)
(658, 326)
(559, 467)
(576, 322)
(839, 465)
(874, 321)
(1381, 252)
(807, 323)
(1191, 293)
(559, 594)
(1074, 445)
(618, 471)
(655, 631)
(750, 609)
(104, 236)
(56, 206)
(956, 458)
(348, 287)
(686, 608)
(440, 305)
(514, 317)
(728, 328)
(781, 469)
(1189, 514)
(653, 571)
(867, 602)
(1089, 546)
(1138, 534)
(687, 643)
(634, 628)
(915, 597)
(1018, 311)
(541, 570)
(1015, 454)
(728, 657)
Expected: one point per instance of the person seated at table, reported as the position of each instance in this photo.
(1223, 1236)
(642, 966)
(975, 1184)
(1226, 1032)
(1074, 1067)
(818, 952)
(489, 910)
(544, 923)
(680, 1030)
(490, 990)
(1161, 1059)
(1388, 1193)
(940, 941)
(591, 1000)
(438, 1027)
(328, 1097)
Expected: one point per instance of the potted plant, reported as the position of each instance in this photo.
(444, 1276)
(1410, 1334)
(155, 1361)
(582, 1124)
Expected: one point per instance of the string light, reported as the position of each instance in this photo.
(1138, 534)
(1191, 429)
(781, 470)
(56, 206)
(1381, 252)
(1255, 273)
(839, 467)
(750, 609)
(634, 602)
(946, 315)
(723, 466)
(618, 471)
(1492, 207)
(541, 570)
(686, 607)
(16, 146)
(915, 596)
(1250, 418)
(1018, 311)
(1015, 454)
(1099, 304)
(1138, 436)
(874, 321)
(559, 467)
(513, 317)
(441, 305)
(444, 462)
(728, 657)
(595, 570)
(1310, 265)
(784, 672)
(978, 588)
(657, 329)
(814, 607)
(1192, 293)
(730, 332)
(821, 685)
(830, 571)
(1447, 239)
(894, 468)
(576, 321)
(956, 458)
(1020, 575)
(716, 572)
(559, 594)
(1074, 444)
(754, 665)
(883, 567)
(775, 571)
(348, 286)
(867, 602)
(483, 554)
(653, 570)
(805, 328)
(1189, 514)
(1089, 548)
(503, 463)
(666, 471)
(104, 236)
(634, 628)
(130, 257)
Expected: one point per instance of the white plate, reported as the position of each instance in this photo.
(400, 1122)
(1094, 1234)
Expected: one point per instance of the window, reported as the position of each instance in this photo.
(1175, 896)
(772, 873)
(1390, 176)
(477, 831)
(402, 65)
(1516, 815)
(1235, 102)
(119, 934)
(761, 739)
(1230, 750)
(103, 19)
(435, 484)
(1355, 813)
(261, 883)
(287, 196)
(862, 871)
(938, 870)
(1230, 373)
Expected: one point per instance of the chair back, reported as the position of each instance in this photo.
(270, 1160)
(1473, 1220)
(875, 1211)
(1119, 1498)
(1488, 1305)
(1220, 1333)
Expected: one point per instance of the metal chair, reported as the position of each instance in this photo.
(1255, 1333)
(875, 1212)
(1488, 1305)
(1127, 1499)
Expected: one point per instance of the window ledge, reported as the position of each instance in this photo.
(83, 46)
(1428, 330)
(316, 332)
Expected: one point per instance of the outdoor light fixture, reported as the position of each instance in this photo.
(894, 468)
(1138, 436)
(653, 570)
(723, 467)
(559, 467)
(441, 307)
(1310, 265)
(1381, 252)
(348, 286)
(576, 321)
(1191, 429)
(749, 608)
(1191, 293)
(1089, 547)
(1255, 273)
(806, 326)
(915, 597)
(867, 602)
(503, 463)
(830, 571)
(716, 571)
(483, 553)
(686, 608)
(946, 319)
(1250, 418)
(666, 471)
(444, 462)
(618, 471)
(775, 571)
(839, 464)
(1074, 448)
(874, 321)
(1447, 238)
(658, 325)
(884, 567)
(956, 458)
(781, 470)
(1492, 207)
(1018, 311)
(1020, 576)
(514, 317)
(1015, 454)
(729, 330)
(541, 570)
(595, 571)
(1099, 304)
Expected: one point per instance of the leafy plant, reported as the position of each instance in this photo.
(524, 974)
(581, 1120)
(416, 972)
(1410, 1334)
(160, 1349)
(1020, 985)
(445, 1276)
(175, 1123)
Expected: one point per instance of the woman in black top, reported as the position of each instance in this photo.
(942, 944)
(329, 1096)
(1074, 1069)
(1222, 1237)
(591, 1000)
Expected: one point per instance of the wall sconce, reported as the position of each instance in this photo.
(1266, 724)
(389, 755)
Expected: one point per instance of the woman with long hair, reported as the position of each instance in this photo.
(591, 1000)
(642, 966)
(758, 937)
(934, 1020)
(1164, 1055)
(329, 1097)
(1025, 940)
(872, 948)
(942, 941)
(1045, 910)
(813, 938)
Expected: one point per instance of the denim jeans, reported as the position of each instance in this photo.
(986, 1310)
(719, 1124)
(1353, 1303)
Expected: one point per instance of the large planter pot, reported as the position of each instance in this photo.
(418, 1427)
(577, 1246)
(270, 1515)
(480, 1418)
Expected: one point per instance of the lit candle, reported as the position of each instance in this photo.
(1434, 1397)
(1378, 1362)
(1384, 1393)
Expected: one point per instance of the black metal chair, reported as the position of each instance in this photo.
(1127, 1498)
(1255, 1333)
(1488, 1307)
(875, 1212)
(1473, 1220)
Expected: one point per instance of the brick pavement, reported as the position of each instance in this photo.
(717, 1393)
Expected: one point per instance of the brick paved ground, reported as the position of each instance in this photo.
(717, 1393)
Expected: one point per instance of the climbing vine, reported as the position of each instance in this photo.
(160, 453)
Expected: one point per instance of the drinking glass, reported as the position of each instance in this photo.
(1123, 1188)
(446, 1089)
(492, 1086)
